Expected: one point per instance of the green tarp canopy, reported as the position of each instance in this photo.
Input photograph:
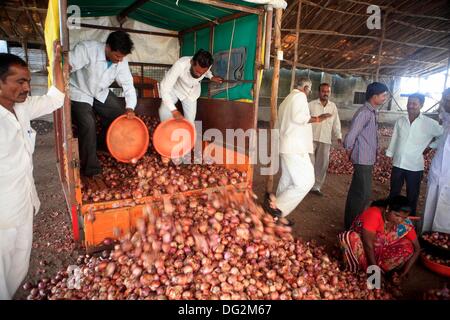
(170, 15)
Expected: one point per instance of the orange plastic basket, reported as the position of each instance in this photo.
(127, 139)
(174, 138)
(436, 267)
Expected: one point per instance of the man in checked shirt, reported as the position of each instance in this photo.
(361, 143)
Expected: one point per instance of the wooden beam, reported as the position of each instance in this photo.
(297, 35)
(275, 83)
(400, 12)
(334, 33)
(13, 25)
(19, 41)
(380, 47)
(232, 6)
(420, 28)
(21, 8)
(369, 54)
(133, 7)
(33, 23)
(217, 22)
(269, 25)
(94, 26)
(25, 50)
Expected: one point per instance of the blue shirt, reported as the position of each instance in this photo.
(362, 137)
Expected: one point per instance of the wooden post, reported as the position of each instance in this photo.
(211, 49)
(269, 25)
(275, 81)
(380, 48)
(297, 34)
(25, 49)
(258, 66)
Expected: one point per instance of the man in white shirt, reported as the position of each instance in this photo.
(322, 133)
(94, 67)
(437, 206)
(296, 143)
(182, 82)
(18, 197)
(412, 135)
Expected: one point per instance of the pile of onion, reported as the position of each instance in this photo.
(215, 246)
(340, 164)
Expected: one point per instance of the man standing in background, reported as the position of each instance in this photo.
(322, 134)
(361, 143)
(412, 135)
(436, 216)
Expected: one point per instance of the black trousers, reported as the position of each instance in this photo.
(359, 193)
(83, 116)
(413, 180)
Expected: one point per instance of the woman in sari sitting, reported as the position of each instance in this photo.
(383, 236)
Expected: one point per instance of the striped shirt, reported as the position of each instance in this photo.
(362, 137)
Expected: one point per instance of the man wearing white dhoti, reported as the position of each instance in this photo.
(437, 207)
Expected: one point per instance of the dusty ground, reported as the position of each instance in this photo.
(317, 219)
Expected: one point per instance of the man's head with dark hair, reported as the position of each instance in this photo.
(415, 103)
(118, 45)
(324, 91)
(376, 93)
(14, 80)
(200, 63)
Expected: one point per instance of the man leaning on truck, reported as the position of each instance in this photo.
(18, 197)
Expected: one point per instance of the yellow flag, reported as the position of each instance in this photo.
(51, 33)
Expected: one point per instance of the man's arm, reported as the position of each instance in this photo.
(358, 123)
(337, 126)
(436, 131)
(168, 83)
(125, 80)
(54, 99)
(78, 57)
(394, 140)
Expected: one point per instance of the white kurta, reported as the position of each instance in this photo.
(437, 207)
(296, 143)
(18, 196)
(91, 77)
(179, 84)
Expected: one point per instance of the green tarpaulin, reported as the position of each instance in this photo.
(168, 14)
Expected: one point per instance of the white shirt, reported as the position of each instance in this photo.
(17, 140)
(323, 131)
(90, 76)
(440, 165)
(180, 81)
(294, 130)
(410, 140)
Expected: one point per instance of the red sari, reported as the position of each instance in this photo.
(392, 247)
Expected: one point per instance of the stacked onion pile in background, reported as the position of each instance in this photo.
(340, 164)
(151, 177)
(215, 246)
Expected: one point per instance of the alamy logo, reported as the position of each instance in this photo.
(374, 277)
(74, 280)
(73, 17)
(374, 20)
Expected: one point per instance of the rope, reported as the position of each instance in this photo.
(195, 42)
(229, 55)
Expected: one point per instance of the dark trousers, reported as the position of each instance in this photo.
(413, 180)
(83, 116)
(359, 193)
